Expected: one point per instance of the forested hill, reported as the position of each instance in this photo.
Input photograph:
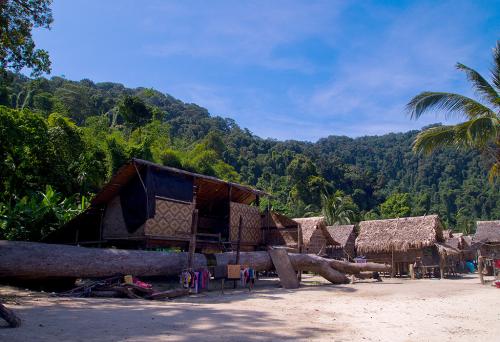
(71, 136)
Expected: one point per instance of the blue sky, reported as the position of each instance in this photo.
(283, 69)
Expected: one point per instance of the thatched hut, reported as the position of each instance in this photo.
(147, 205)
(345, 235)
(315, 237)
(487, 238)
(400, 241)
(279, 230)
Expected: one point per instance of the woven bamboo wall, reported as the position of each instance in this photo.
(172, 219)
(251, 229)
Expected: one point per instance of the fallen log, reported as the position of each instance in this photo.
(9, 316)
(33, 260)
(352, 268)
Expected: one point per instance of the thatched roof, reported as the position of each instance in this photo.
(280, 230)
(273, 219)
(311, 226)
(455, 242)
(445, 249)
(487, 231)
(467, 240)
(399, 234)
(342, 233)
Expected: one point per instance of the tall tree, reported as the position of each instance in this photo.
(481, 129)
(17, 48)
(397, 205)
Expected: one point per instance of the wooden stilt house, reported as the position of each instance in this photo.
(487, 239)
(400, 241)
(148, 205)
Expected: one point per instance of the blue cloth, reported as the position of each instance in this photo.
(470, 266)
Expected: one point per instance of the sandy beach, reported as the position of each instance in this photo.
(393, 310)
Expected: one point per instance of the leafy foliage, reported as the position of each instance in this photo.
(482, 128)
(337, 209)
(34, 217)
(396, 205)
(74, 140)
(17, 48)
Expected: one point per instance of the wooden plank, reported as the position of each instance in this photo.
(284, 268)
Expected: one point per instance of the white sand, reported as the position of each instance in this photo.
(394, 310)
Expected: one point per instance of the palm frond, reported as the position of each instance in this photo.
(453, 103)
(433, 138)
(483, 88)
(494, 172)
(495, 71)
(480, 131)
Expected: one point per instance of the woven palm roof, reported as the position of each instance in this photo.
(272, 219)
(309, 225)
(341, 233)
(399, 234)
(487, 231)
(455, 242)
(467, 240)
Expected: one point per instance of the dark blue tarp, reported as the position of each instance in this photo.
(138, 204)
(166, 184)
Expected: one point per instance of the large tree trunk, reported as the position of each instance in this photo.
(32, 260)
(9, 316)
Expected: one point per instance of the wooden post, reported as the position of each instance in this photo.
(392, 263)
(442, 265)
(229, 195)
(299, 247)
(238, 242)
(192, 241)
(238, 245)
(480, 264)
(412, 272)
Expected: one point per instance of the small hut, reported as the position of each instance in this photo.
(345, 235)
(315, 237)
(400, 241)
(146, 205)
(279, 230)
(487, 238)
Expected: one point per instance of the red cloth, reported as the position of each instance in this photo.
(497, 263)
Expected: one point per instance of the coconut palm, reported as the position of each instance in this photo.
(481, 130)
(335, 210)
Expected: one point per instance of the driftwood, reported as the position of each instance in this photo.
(32, 260)
(9, 316)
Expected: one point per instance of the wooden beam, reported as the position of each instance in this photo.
(192, 241)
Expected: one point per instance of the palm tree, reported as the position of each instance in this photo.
(481, 130)
(335, 210)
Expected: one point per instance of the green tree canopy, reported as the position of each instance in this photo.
(397, 205)
(17, 47)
